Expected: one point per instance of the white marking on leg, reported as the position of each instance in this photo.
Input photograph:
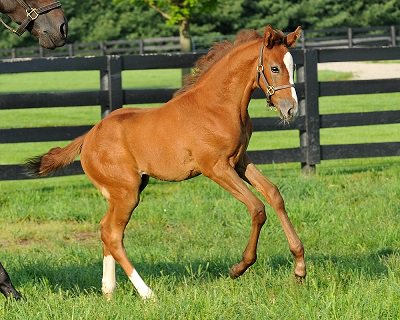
(141, 287)
(288, 61)
(108, 282)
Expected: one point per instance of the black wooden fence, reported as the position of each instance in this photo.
(112, 96)
(310, 39)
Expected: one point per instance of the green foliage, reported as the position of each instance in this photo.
(94, 20)
(175, 11)
(319, 14)
(104, 20)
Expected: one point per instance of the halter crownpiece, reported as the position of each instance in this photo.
(269, 90)
(31, 15)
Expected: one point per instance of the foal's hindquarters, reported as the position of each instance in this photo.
(118, 155)
(111, 168)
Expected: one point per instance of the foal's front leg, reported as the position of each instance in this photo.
(250, 173)
(223, 174)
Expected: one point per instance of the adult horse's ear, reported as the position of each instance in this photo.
(292, 37)
(269, 36)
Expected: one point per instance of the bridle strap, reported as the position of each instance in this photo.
(269, 89)
(31, 15)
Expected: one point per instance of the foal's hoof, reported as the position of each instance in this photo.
(300, 278)
(108, 296)
(149, 296)
(146, 294)
(234, 273)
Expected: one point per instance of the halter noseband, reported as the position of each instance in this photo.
(269, 90)
(31, 15)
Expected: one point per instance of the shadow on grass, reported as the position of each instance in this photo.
(77, 279)
(357, 168)
(371, 265)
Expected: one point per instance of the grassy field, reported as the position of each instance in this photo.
(184, 236)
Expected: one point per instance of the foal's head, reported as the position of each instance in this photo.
(277, 65)
(49, 27)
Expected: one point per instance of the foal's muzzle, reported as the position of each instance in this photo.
(288, 108)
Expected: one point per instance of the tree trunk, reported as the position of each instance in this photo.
(186, 43)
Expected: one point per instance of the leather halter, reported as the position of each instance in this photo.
(269, 89)
(31, 15)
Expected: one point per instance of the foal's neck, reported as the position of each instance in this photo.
(231, 82)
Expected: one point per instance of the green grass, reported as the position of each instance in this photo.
(184, 236)
(86, 80)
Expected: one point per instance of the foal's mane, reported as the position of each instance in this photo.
(215, 53)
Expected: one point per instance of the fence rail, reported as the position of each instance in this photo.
(112, 96)
(324, 38)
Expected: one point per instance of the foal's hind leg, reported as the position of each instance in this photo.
(250, 173)
(123, 199)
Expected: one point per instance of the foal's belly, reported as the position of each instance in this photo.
(170, 163)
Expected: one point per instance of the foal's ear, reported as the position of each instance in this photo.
(292, 37)
(269, 34)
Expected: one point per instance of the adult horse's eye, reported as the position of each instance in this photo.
(275, 69)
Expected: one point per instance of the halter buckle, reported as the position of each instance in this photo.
(270, 90)
(260, 68)
(33, 14)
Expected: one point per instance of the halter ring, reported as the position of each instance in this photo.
(33, 14)
(270, 90)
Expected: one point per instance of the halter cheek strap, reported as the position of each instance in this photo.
(31, 15)
(269, 89)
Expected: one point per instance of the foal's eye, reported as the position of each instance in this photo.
(275, 69)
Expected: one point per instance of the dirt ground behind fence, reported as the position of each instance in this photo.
(365, 70)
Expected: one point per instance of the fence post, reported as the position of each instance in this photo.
(141, 46)
(309, 108)
(111, 85)
(103, 50)
(71, 50)
(303, 39)
(393, 35)
(350, 37)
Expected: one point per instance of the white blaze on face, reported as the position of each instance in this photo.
(288, 61)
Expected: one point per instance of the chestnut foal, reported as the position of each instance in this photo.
(205, 129)
(45, 20)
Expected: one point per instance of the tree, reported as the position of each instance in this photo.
(96, 20)
(178, 12)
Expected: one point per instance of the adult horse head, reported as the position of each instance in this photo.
(44, 19)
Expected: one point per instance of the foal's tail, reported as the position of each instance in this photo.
(56, 158)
